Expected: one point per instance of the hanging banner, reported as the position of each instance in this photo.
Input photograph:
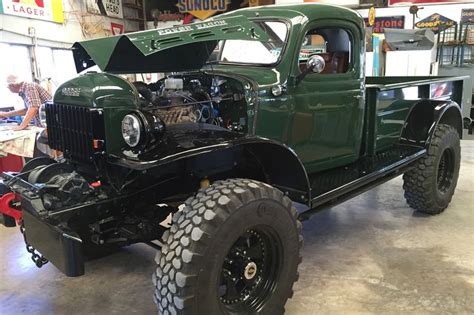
(467, 16)
(112, 8)
(435, 22)
(382, 22)
(48, 10)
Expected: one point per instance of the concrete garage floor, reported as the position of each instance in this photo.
(371, 254)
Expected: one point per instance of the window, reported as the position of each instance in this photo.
(55, 64)
(253, 51)
(333, 44)
(14, 59)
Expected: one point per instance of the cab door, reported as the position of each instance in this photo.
(327, 122)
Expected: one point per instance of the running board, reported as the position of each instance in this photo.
(338, 185)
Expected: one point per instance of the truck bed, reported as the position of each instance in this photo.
(429, 87)
(383, 156)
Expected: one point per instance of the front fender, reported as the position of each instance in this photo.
(209, 150)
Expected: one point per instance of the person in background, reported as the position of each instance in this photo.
(33, 95)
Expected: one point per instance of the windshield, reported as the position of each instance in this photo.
(251, 51)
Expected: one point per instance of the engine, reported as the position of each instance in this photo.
(196, 98)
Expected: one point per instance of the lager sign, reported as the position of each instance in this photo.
(202, 9)
(49, 10)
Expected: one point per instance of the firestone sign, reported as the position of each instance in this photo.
(383, 22)
(49, 10)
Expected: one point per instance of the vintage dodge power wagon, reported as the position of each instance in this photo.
(258, 110)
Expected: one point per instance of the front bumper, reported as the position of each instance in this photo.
(62, 247)
(56, 242)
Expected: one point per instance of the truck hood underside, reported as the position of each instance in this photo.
(179, 48)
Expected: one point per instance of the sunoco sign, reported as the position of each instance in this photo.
(202, 9)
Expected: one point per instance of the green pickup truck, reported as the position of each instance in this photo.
(258, 110)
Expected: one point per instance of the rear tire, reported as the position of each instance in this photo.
(430, 185)
(233, 249)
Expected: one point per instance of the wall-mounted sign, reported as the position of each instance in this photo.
(467, 16)
(117, 28)
(49, 10)
(112, 8)
(383, 22)
(167, 15)
(414, 2)
(371, 19)
(435, 22)
(202, 9)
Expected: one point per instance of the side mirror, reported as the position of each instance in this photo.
(315, 63)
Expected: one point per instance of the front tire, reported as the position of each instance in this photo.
(233, 249)
(430, 185)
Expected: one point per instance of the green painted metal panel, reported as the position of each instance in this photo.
(324, 118)
(108, 92)
(169, 49)
(321, 117)
(99, 90)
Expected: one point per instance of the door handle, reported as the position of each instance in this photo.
(358, 96)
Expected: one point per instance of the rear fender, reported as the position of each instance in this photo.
(425, 116)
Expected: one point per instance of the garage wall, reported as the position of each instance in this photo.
(78, 25)
(54, 63)
(452, 11)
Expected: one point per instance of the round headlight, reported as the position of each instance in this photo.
(131, 130)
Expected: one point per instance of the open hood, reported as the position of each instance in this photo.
(179, 48)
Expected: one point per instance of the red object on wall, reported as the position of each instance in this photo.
(11, 163)
(39, 3)
(188, 19)
(117, 29)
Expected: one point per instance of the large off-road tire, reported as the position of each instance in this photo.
(233, 249)
(430, 185)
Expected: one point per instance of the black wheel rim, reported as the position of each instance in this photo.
(250, 271)
(446, 170)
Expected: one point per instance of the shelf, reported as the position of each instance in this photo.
(134, 12)
(132, 6)
(133, 19)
